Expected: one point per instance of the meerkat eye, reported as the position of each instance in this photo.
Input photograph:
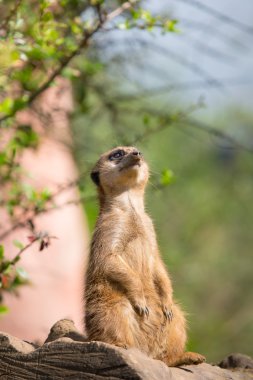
(116, 155)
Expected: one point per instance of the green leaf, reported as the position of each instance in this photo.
(45, 195)
(15, 55)
(36, 53)
(19, 104)
(22, 273)
(135, 14)
(170, 26)
(3, 158)
(76, 28)
(30, 192)
(44, 4)
(70, 73)
(124, 25)
(6, 106)
(47, 16)
(146, 119)
(23, 75)
(3, 309)
(167, 177)
(18, 244)
(1, 252)
(26, 137)
(6, 267)
(146, 15)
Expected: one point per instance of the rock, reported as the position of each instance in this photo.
(65, 328)
(67, 354)
(237, 361)
(8, 342)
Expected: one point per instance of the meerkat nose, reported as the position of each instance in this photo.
(136, 153)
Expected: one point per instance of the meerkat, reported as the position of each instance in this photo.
(128, 292)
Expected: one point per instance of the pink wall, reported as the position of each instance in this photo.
(57, 274)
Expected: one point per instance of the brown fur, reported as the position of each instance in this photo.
(129, 297)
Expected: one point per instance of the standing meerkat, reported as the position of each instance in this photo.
(129, 297)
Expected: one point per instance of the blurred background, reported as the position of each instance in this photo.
(181, 91)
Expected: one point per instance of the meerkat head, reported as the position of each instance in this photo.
(119, 170)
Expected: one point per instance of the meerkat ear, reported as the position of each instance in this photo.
(95, 177)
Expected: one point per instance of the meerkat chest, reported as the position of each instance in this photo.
(137, 242)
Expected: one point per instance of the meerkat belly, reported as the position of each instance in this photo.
(140, 257)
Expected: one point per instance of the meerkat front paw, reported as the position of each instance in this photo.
(168, 313)
(166, 306)
(141, 308)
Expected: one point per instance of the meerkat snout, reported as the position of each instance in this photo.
(131, 159)
(136, 153)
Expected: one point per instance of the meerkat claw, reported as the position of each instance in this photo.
(142, 311)
(168, 314)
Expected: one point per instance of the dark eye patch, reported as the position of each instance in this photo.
(117, 155)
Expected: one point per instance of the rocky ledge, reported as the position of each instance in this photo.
(66, 354)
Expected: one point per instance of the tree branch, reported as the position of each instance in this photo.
(66, 60)
(54, 207)
(183, 118)
(17, 257)
(13, 11)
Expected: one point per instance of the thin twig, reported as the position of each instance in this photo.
(118, 11)
(218, 15)
(46, 210)
(17, 257)
(183, 118)
(180, 86)
(201, 126)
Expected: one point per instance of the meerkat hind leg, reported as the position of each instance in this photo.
(187, 358)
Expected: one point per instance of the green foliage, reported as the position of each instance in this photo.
(11, 277)
(144, 19)
(24, 137)
(167, 177)
(41, 37)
